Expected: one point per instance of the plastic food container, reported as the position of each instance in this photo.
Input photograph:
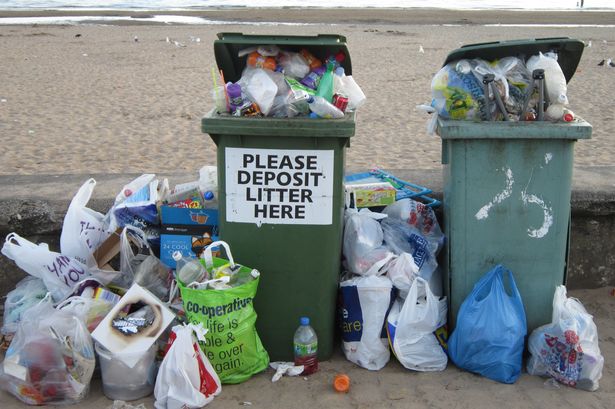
(120, 382)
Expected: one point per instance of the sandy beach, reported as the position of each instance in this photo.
(90, 99)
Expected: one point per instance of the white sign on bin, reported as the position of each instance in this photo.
(279, 186)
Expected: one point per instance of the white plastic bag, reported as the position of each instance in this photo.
(554, 76)
(89, 310)
(567, 348)
(60, 273)
(28, 292)
(411, 328)
(365, 303)
(186, 379)
(418, 215)
(51, 359)
(83, 229)
(413, 227)
(136, 205)
(363, 240)
(346, 85)
(142, 267)
(403, 271)
(294, 64)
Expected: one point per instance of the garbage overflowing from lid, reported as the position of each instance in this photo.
(147, 281)
(284, 80)
(524, 80)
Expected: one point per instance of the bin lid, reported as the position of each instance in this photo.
(569, 51)
(228, 45)
(216, 124)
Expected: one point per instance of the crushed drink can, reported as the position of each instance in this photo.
(340, 102)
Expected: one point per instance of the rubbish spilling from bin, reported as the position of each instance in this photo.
(285, 83)
(391, 293)
(508, 89)
(510, 81)
(114, 285)
(173, 314)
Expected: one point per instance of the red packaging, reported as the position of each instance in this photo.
(341, 102)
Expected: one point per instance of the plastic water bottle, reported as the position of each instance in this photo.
(188, 270)
(210, 201)
(323, 108)
(306, 347)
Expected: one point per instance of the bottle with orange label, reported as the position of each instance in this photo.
(259, 61)
(311, 60)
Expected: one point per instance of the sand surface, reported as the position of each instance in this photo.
(90, 99)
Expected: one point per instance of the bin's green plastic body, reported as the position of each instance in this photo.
(507, 188)
(299, 259)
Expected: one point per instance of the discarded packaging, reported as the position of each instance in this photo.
(285, 368)
(126, 383)
(121, 334)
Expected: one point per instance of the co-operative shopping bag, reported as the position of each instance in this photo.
(491, 329)
(411, 327)
(567, 348)
(232, 343)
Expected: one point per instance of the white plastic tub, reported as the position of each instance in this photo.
(120, 382)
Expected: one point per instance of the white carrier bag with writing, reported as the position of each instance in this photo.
(59, 273)
(366, 301)
(411, 327)
(567, 348)
(232, 343)
(186, 379)
(83, 230)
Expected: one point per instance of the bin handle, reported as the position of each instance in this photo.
(209, 262)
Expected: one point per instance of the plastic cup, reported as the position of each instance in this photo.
(120, 382)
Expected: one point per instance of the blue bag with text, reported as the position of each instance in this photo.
(491, 328)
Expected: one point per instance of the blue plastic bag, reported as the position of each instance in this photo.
(491, 329)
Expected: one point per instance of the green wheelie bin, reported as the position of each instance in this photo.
(507, 188)
(281, 200)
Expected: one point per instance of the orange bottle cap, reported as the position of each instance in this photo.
(341, 383)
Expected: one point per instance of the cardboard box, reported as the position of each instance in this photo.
(130, 347)
(371, 194)
(186, 230)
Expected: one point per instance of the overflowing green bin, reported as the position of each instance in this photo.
(281, 201)
(507, 188)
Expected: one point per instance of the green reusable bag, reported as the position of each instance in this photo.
(232, 344)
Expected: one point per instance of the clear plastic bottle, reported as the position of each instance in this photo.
(323, 108)
(188, 270)
(306, 347)
(210, 201)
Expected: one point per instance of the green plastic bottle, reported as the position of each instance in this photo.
(325, 87)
